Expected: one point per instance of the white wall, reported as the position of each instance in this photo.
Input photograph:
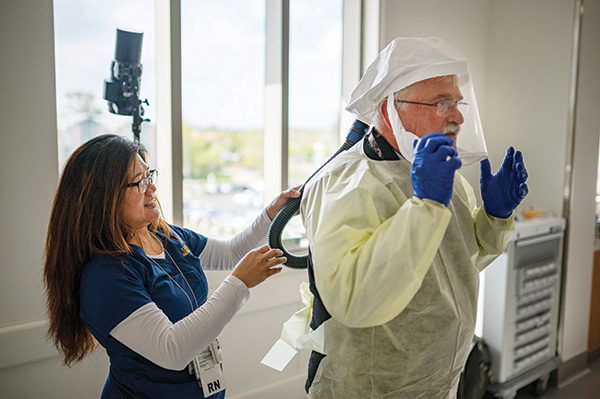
(529, 64)
(252, 332)
(29, 152)
(520, 56)
(29, 366)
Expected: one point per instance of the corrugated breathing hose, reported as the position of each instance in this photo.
(356, 133)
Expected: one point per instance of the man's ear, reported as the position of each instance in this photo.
(384, 113)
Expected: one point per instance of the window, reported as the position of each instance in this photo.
(223, 74)
(315, 77)
(315, 85)
(223, 86)
(223, 67)
(85, 37)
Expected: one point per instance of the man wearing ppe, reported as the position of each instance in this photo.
(397, 241)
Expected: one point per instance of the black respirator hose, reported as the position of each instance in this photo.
(355, 134)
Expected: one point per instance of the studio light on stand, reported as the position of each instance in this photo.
(122, 89)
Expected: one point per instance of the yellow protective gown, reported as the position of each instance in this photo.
(399, 275)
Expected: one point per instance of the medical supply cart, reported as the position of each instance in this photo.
(521, 302)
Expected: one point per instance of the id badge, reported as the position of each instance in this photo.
(208, 370)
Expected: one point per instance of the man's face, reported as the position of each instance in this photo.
(422, 119)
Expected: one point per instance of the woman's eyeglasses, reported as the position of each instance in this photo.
(143, 183)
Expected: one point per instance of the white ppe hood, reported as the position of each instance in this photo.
(409, 60)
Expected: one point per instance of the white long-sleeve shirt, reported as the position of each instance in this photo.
(149, 332)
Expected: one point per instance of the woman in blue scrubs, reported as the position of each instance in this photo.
(117, 274)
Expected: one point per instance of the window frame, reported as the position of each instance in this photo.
(358, 42)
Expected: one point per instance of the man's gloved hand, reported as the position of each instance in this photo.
(433, 166)
(504, 191)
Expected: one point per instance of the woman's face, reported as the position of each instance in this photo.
(140, 209)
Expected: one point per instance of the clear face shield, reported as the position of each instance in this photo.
(470, 142)
(404, 62)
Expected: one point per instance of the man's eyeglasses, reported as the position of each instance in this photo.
(142, 184)
(444, 107)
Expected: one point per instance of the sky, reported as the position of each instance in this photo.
(223, 53)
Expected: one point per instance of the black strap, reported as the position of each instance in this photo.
(319, 316)
(376, 147)
(319, 313)
(313, 364)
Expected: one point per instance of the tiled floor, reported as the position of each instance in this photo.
(585, 387)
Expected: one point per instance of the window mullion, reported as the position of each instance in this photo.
(351, 60)
(276, 97)
(168, 108)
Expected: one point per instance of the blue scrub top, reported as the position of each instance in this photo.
(113, 288)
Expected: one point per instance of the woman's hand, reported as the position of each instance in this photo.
(258, 265)
(282, 199)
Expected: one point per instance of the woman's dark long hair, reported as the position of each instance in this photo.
(86, 220)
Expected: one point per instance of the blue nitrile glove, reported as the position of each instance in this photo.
(433, 166)
(504, 191)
